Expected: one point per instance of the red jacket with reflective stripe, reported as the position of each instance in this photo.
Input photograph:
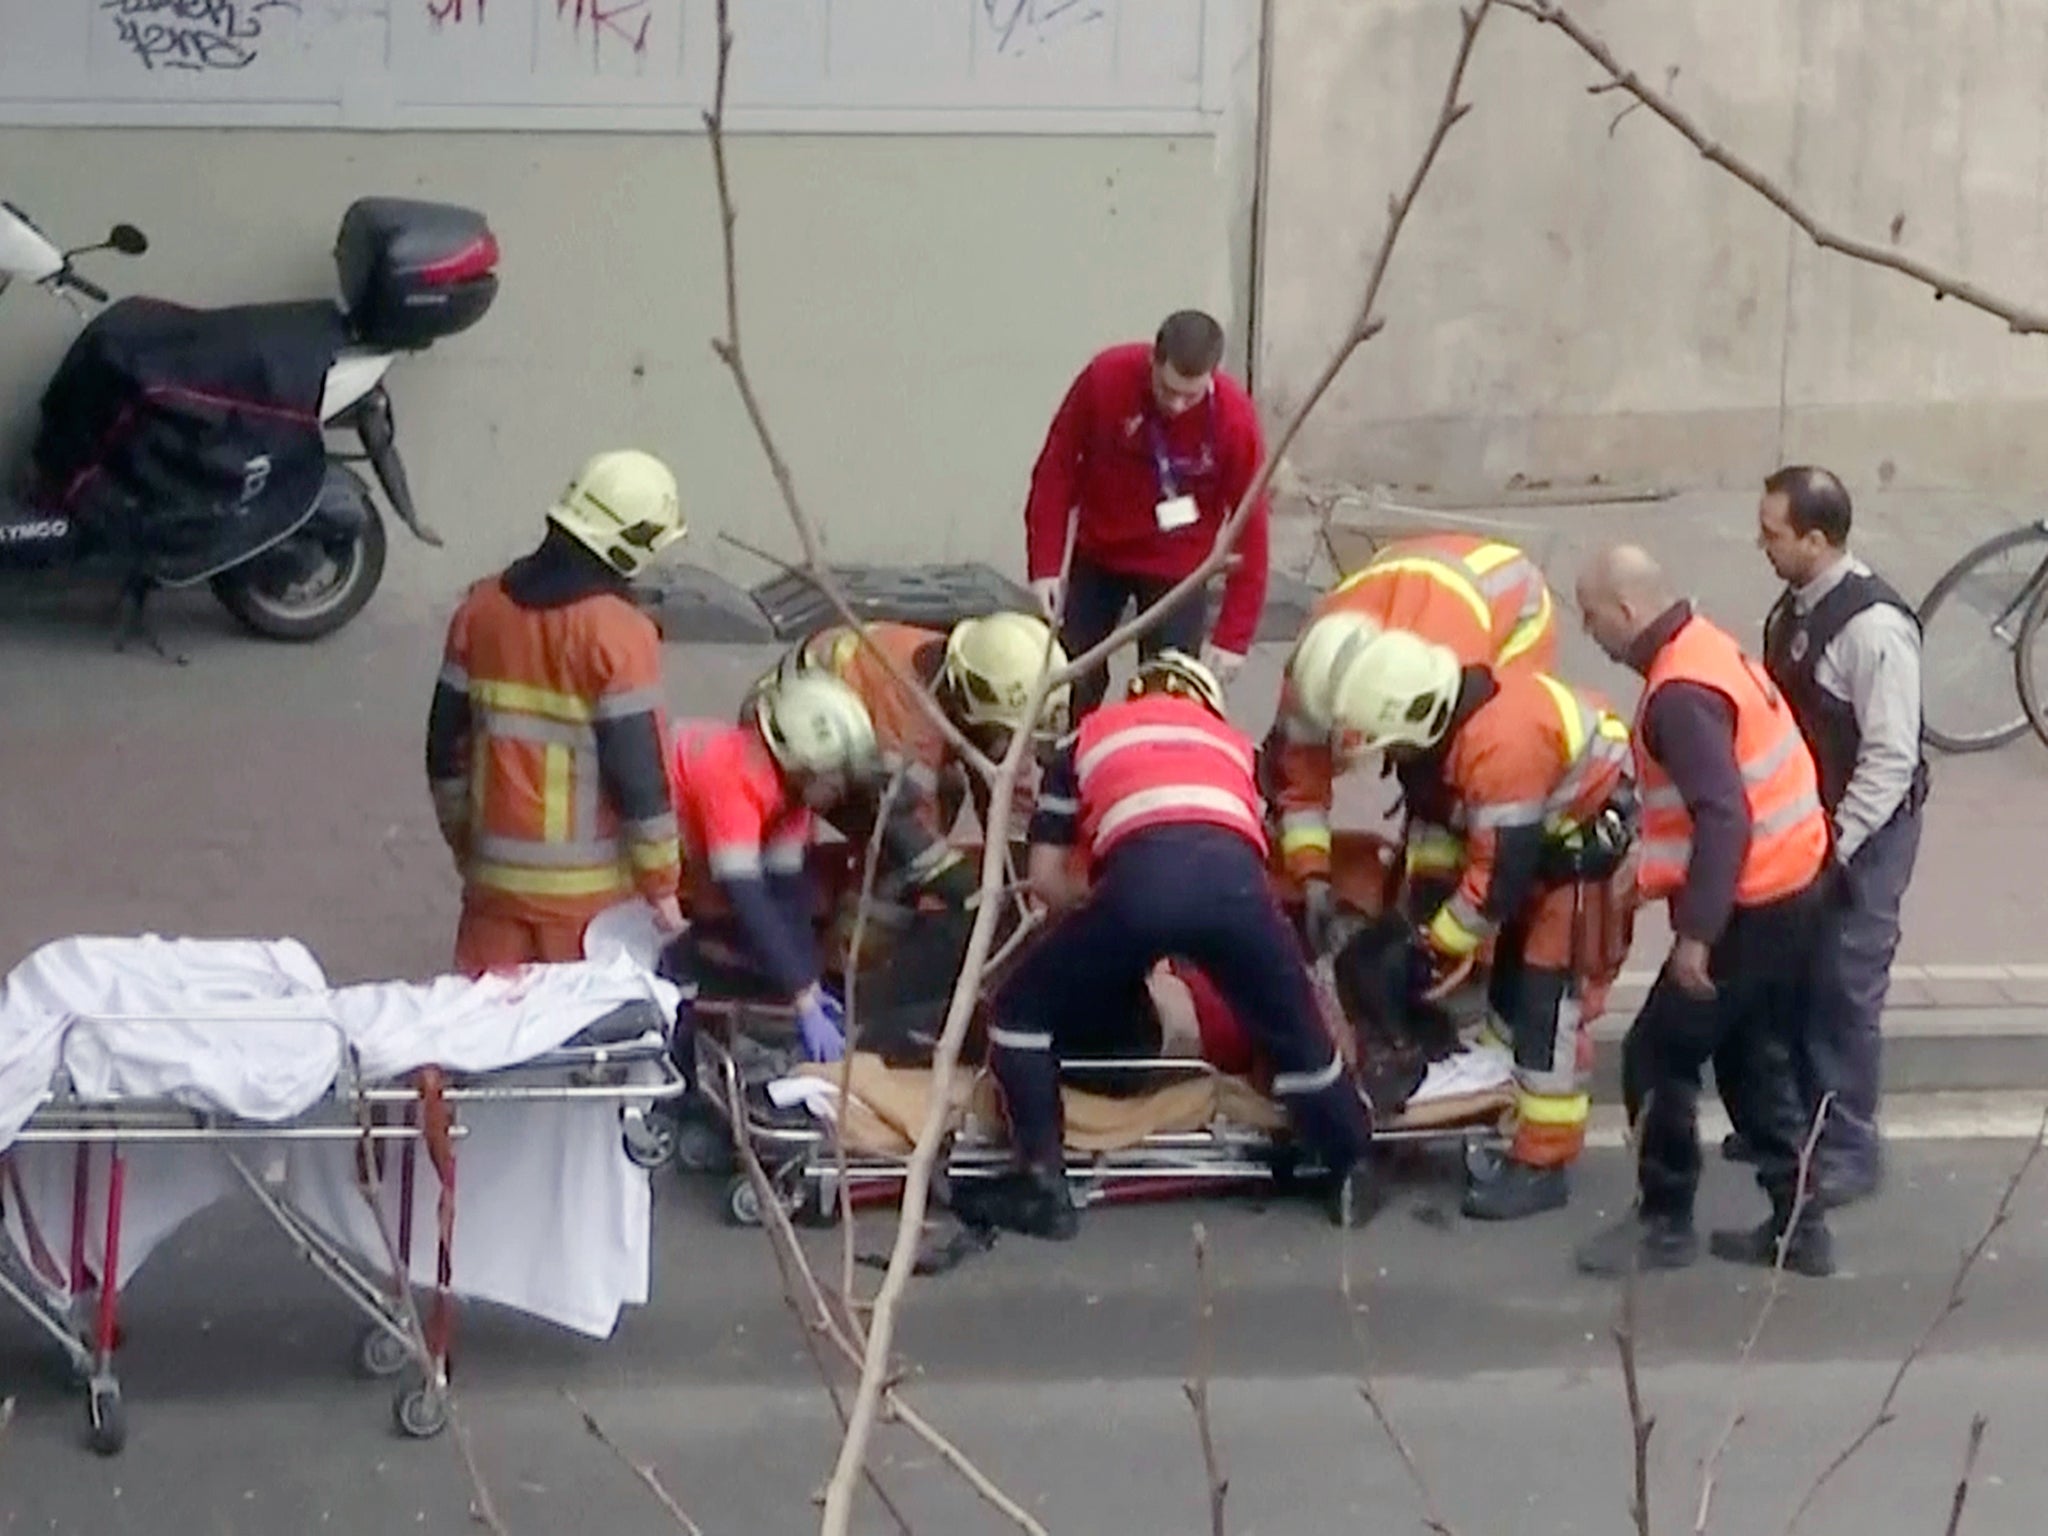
(737, 816)
(1162, 760)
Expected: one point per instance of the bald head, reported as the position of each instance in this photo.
(1622, 590)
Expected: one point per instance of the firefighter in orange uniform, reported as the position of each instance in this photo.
(980, 673)
(1532, 778)
(746, 795)
(1485, 600)
(545, 735)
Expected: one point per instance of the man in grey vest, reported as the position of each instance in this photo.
(1845, 649)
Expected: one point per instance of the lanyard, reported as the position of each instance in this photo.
(1162, 460)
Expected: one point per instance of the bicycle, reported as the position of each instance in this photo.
(2013, 597)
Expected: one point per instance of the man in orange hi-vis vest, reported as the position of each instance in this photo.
(1485, 600)
(1735, 839)
(545, 751)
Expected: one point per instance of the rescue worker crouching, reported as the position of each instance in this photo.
(1158, 793)
(1530, 779)
(746, 796)
(1485, 600)
(544, 747)
(981, 674)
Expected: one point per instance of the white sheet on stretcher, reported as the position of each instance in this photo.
(552, 1219)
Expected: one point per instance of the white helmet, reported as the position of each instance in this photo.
(991, 664)
(1179, 674)
(815, 724)
(1398, 692)
(622, 507)
(1321, 657)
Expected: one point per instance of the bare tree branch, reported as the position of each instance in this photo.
(1978, 1424)
(1951, 1304)
(1711, 1467)
(1197, 1385)
(2019, 320)
(818, 1320)
(647, 1475)
(1432, 1510)
(1363, 327)
(1641, 1423)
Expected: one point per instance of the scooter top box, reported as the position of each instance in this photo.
(414, 272)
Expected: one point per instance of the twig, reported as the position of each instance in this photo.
(1432, 1510)
(1978, 1425)
(842, 1333)
(1711, 1467)
(1951, 1304)
(1640, 1422)
(2019, 320)
(1197, 1385)
(1363, 327)
(871, 863)
(641, 1470)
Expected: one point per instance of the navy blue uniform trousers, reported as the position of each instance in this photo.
(1194, 893)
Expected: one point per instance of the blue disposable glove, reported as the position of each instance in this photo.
(818, 1019)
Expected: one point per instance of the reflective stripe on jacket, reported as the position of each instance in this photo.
(1788, 840)
(1486, 600)
(1538, 759)
(556, 796)
(1159, 760)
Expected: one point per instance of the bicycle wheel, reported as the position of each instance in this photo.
(2030, 665)
(1970, 623)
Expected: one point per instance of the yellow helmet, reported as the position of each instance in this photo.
(1322, 655)
(622, 507)
(1179, 674)
(991, 664)
(1398, 691)
(815, 724)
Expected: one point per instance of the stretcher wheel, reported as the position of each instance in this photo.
(648, 1143)
(742, 1202)
(106, 1420)
(702, 1143)
(420, 1411)
(380, 1354)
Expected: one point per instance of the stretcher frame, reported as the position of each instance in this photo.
(804, 1166)
(375, 1116)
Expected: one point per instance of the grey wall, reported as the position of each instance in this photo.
(1570, 303)
(913, 308)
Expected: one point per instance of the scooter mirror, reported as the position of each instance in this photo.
(128, 240)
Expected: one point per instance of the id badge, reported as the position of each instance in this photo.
(1177, 512)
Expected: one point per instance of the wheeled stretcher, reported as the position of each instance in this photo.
(1188, 1119)
(234, 1068)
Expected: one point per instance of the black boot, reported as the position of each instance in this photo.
(1809, 1251)
(1517, 1190)
(1033, 1201)
(1352, 1199)
(1735, 1148)
(1641, 1243)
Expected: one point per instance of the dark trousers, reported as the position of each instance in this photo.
(1859, 937)
(1095, 604)
(1756, 1023)
(1193, 893)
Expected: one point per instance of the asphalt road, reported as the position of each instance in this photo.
(1060, 1368)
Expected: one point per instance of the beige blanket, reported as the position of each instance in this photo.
(889, 1103)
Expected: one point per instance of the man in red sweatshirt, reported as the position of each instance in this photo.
(1151, 449)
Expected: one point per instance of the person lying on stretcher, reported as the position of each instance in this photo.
(745, 796)
(980, 674)
(1158, 791)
